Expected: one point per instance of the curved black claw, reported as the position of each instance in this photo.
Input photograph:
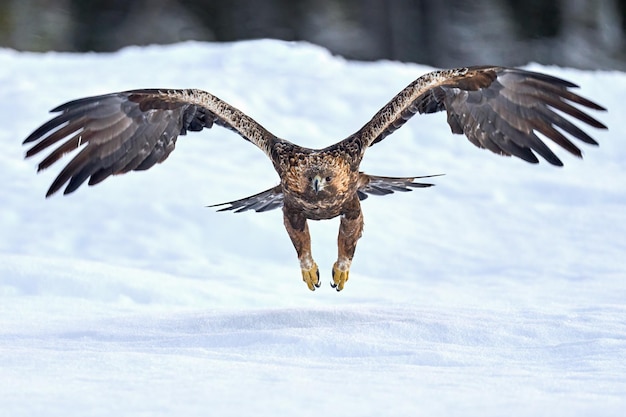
(311, 277)
(339, 278)
(319, 281)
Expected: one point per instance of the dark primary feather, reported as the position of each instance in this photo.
(263, 201)
(376, 185)
(132, 130)
(497, 108)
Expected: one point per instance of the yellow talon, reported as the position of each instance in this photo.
(311, 277)
(339, 277)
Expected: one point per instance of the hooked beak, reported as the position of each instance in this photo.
(317, 183)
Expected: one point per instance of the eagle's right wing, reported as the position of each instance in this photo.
(133, 130)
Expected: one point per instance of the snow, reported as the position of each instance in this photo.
(501, 291)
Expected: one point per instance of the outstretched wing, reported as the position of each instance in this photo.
(497, 108)
(133, 130)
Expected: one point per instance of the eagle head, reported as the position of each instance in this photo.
(320, 182)
(322, 178)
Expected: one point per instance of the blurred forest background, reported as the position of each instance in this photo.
(441, 33)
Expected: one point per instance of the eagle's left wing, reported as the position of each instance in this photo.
(497, 108)
(375, 185)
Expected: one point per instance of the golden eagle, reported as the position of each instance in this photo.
(497, 108)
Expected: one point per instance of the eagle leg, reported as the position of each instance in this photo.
(298, 231)
(350, 230)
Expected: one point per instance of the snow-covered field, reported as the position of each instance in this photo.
(501, 291)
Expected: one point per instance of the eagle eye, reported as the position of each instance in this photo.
(328, 179)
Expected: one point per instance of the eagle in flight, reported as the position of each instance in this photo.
(497, 108)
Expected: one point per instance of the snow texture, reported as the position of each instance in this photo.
(501, 291)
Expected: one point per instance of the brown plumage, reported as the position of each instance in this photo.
(497, 108)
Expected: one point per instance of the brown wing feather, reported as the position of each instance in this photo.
(133, 130)
(263, 201)
(497, 108)
(375, 185)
